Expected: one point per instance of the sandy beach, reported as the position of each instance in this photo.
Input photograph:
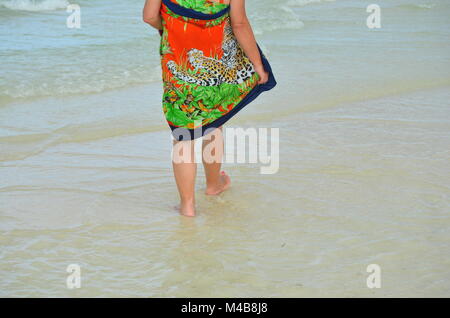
(364, 125)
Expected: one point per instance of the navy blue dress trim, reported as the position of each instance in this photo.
(190, 13)
(180, 133)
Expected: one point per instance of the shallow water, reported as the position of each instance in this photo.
(360, 184)
(364, 127)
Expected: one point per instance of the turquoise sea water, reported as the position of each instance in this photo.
(114, 49)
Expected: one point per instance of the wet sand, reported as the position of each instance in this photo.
(358, 184)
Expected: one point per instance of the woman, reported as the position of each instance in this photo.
(211, 67)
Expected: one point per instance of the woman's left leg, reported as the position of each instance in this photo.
(212, 155)
(185, 171)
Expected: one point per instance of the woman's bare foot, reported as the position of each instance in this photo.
(186, 208)
(225, 182)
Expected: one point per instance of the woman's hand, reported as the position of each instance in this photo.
(246, 38)
(263, 75)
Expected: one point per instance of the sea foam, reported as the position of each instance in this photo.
(31, 5)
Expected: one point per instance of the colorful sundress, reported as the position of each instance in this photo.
(207, 78)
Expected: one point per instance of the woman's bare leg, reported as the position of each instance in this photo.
(185, 170)
(212, 155)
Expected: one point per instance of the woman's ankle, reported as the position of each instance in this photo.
(187, 202)
(187, 207)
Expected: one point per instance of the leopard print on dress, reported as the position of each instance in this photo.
(233, 68)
